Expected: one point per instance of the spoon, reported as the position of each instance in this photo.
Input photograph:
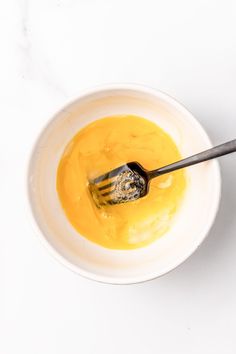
(131, 181)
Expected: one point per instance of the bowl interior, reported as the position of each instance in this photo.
(191, 222)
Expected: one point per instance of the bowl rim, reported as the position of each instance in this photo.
(143, 89)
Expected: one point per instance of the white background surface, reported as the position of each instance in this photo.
(50, 51)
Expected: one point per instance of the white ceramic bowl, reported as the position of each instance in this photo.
(192, 222)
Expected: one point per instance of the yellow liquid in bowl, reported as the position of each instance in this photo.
(102, 146)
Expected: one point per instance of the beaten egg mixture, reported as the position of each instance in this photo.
(102, 146)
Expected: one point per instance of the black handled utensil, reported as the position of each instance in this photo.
(130, 182)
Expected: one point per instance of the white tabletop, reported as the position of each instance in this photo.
(50, 51)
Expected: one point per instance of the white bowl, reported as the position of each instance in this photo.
(192, 222)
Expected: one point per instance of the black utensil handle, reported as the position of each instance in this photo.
(216, 151)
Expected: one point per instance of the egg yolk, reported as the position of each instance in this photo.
(101, 146)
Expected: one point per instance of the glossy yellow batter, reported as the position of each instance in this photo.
(102, 146)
